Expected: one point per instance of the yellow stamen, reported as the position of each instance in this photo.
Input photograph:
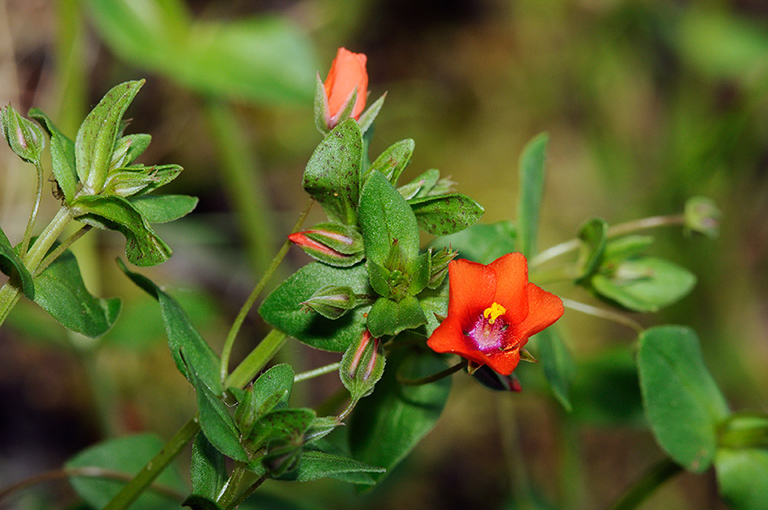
(492, 312)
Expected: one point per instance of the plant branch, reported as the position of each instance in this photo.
(434, 377)
(256, 360)
(327, 369)
(654, 478)
(61, 248)
(32, 217)
(603, 314)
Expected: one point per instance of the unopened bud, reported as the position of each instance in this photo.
(439, 266)
(24, 137)
(332, 301)
(702, 216)
(335, 244)
(362, 366)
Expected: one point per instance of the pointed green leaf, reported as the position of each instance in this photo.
(60, 291)
(682, 402)
(12, 266)
(142, 245)
(388, 317)
(446, 214)
(97, 135)
(271, 390)
(208, 468)
(481, 243)
(317, 464)
(126, 455)
(139, 179)
(369, 115)
(558, 365)
(386, 426)
(181, 335)
(332, 175)
(215, 421)
(646, 284)
(421, 185)
(386, 218)
(283, 307)
(163, 208)
(393, 161)
(136, 144)
(594, 234)
(62, 155)
(531, 171)
(626, 247)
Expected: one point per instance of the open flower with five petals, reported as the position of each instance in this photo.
(492, 311)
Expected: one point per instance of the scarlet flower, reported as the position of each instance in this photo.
(347, 74)
(492, 311)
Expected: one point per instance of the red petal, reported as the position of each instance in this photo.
(472, 289)
(347, 72)
(504, 362)
(544, 309)
(511, 284)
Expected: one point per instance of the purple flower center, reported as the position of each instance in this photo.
(489, 330)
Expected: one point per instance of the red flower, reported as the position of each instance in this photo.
(347, 74)
(492, 311)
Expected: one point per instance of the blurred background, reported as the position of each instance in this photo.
(646, 102)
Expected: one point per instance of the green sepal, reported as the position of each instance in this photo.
(594, 237)
(386, 219)
(60, 291)
(139, 179)
(682, 402)
(128, 148)
(481, 243)
(368, 116)
(62, 156)
(388, 317)
(280, 425)
(419, 273)
(282, 457)
(645, 284)
(446, 214)
(181, 334)
(95, 141)
(438, 265)
(163, 208)
(394, 160)
(283, 310)
(379, 277)
(24, 137)
(332, 175)
(332, 301)
(421, 185)
(143, 247)
(321, 106)
(12, 266)
(361, 367)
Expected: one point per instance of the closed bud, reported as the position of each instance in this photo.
(335, 244)
(282, 457)
(362, 366)
(703, 216)
(439, 267)
(24, 137)
(332, 301)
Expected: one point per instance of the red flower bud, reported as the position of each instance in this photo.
(347, 74)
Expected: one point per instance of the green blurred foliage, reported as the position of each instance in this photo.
(646, 103)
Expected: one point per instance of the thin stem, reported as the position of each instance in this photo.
(654, 478)
(434, 377)
(603, 314)
(243, 313)
(154, 467)
(327, 369)
(90, 472)
(256, 360)
(510, 442)
(61, 248)
(229, 491)
(614, 231)
(250, 490)
(32, 217)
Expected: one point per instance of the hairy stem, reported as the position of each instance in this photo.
(327, 369)
(33, 216)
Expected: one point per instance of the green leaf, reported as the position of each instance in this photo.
(62, 155)
(682, 402)
(60, 291)
(136, 144)
(594, 234)
(481, 243)
(196, 502)
(283, 309)
(386, 218)
(446, 214)
(393, 161)
(271, 390)
(742, 476)
(558, 365)
(281, 425)
(421, 185)
(388, 317)
(646, 284)
(142, 245)
(332, 175)
(626, 247)
(182, 335)
(215, 421)
(531, 170)
(317, 464)
(208, 469)
(24, 137)
(97, 135)
(163, 208)
(11, 265)
(265, 59)
(369, 115)
(127, 455)
(386, 426)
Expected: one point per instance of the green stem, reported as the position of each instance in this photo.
(250, 490)
(154, 467)
(615, 231)
(654, 478)
(61, 248)
(327, 369)
(256, 360)
(229, 493)
(226, 351)
(434, 377)
(603, 314)
(32, 217)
